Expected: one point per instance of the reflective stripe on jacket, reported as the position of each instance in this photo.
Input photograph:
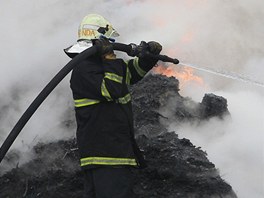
(107, 161)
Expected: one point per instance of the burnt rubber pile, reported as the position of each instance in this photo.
(176, 168)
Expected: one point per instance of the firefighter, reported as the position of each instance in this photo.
(105, 136)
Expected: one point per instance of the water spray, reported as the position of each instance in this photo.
(224, 74)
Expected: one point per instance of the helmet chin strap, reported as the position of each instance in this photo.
(110, 39)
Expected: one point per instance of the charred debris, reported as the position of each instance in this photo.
(176, 167)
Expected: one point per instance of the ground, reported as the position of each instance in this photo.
(176, 168)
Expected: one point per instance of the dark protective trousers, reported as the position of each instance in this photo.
(108, 182)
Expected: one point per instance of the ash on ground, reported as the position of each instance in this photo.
(176, 168)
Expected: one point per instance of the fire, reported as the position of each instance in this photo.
(184, 74)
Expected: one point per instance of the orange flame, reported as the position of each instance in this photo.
(185, 74)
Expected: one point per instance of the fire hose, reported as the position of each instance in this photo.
(55, 81)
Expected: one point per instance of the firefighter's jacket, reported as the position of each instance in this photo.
(103, 110)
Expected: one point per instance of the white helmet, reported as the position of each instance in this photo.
(93, 26)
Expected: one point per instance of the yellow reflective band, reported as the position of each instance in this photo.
(125, 99)
(105, 92)
(140, 71)
(113, 77)
(128, 76)
(85, 102)
(107, 161)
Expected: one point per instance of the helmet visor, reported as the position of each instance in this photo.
(114, 33)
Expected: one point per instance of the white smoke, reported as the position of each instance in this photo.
(235, 144)
(226, 35)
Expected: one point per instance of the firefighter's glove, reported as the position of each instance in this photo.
(144, 48)
(138, 50)
(104, 48)
(133, 50)
(154, 47)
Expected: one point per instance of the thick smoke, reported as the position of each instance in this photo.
(224, 35)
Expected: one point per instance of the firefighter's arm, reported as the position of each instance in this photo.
(113, 83)
(138, 67)
(112, 80)
(103, 82)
